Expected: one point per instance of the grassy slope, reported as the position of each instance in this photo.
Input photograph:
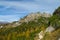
(28, 31)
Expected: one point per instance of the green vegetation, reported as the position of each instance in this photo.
(24, 31)
(57, 11)
(28, 31)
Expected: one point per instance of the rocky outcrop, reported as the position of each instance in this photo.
(49, 29)
(33, 16)
(42, 34)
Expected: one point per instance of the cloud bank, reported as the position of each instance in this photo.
(15, 9)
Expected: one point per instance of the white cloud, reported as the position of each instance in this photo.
(22, 7)
(29, 6)
(8, 18)
(25, 5)
(49, 1)
(17, 5)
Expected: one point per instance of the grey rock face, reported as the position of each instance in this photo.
(49, 29)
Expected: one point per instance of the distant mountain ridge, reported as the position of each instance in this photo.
(3, 22)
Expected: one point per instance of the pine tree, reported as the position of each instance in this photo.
(57, 11)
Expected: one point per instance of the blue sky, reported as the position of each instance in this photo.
(13, 10)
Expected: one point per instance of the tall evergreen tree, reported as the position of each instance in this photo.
(57, 11)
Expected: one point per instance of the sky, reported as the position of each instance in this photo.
(13, 10)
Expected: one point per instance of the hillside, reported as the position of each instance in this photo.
(30, 17)
(35, 26)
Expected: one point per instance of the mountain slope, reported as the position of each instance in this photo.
(33, 27)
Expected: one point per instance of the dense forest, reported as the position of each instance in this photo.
(30, 30)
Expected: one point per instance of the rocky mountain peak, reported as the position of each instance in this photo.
(33, 16)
